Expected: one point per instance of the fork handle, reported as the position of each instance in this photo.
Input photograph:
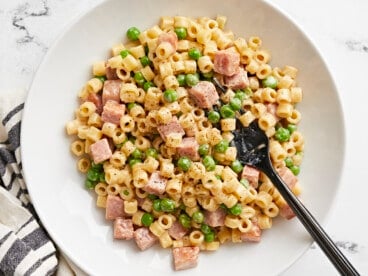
(338, 259)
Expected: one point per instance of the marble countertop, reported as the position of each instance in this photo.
(339, 30)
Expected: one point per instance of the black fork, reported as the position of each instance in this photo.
(253, 149)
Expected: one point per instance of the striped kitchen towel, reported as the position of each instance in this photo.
(25, 248)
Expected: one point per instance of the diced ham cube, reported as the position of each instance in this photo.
(144, 238)
(185, 257)
(123, 229)
(111, 91)
(204, 94)
(177, 231)
(271, 108)
(216, 218)
(112, 112)
(111, 73)
(114, 207)
(254, 235)
(237, 81)
(226, 62)
(156, 184)
(287, 176)
(96, 99)
(171, 127)
(100, 151)
(189, 148)
(170, 37)
(286, 212)
(251, 174)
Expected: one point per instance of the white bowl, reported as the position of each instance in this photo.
(68, 211)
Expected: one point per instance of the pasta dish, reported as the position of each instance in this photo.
(153, 135)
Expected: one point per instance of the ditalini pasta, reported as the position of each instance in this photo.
(154, 136)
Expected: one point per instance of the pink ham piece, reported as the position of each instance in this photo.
(112, 112)
(185, 257)
(144, 238)
(287, 176)
(286, 212)
(237, 81)
(100, 151)
(226, 62)
(111, 73)
(170, 37)
(204, 94)
(254, 235)
(251, 174)
(97, 100)
(156, 184)
(177, 231)
(189, 148)
(271, 108)
(216, 218)
(171, 127)
(111, 91)
(114, 207)
(123, 229)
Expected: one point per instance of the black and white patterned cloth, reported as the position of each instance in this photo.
(25, 247)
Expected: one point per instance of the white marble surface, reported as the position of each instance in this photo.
(339, 30)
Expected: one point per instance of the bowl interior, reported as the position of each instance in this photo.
(68, 211)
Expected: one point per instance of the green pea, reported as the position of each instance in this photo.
(203, 149)
(184, 163)
(147, 85)
(198, 217)
(236, 209)
(167, 205)
(152, 152)
(181, 32)
(235, 104)
(139, 79)
(244, 182)
(236, 166)
(218, 177)
(295, 169)
(181, 79)
(170, 95)
(157, 205)
(131, 105)
(248, 92)
(102, 177)
(210, 237)
(101, 78)
(184, 220)
(227, 112)
(288, 162)
(133, 161)
(194, 53)
(145, 61)
(291, 128)
(152, 196)
(206, 229)
(133, 33)
(97, 167)
(282, 134)
(93, 175)
(240, 95)
(136, 154)
(147, 219)
(209, 163)
(213, 116)
(208, 75)
(222, 146)
(270, 82)
(89, 184)
(191, 79)
(124, 53)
